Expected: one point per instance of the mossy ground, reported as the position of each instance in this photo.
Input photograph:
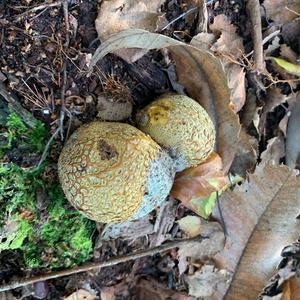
(47, 233)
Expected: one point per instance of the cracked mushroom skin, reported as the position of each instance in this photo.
(113, 172)
(182, 126)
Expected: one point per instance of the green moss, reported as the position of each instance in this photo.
(54, 236)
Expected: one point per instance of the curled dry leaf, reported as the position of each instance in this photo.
(205, 281)
(274, 152)
(229, 47)
(260, 218)
(150, 289)
(200, 72)
(282, 11)
(246, 156)
(194, 185)
(212, 243)
(117, 15)
(81, 295)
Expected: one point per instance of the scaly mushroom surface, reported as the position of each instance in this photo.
(113, 172)
(181, 125)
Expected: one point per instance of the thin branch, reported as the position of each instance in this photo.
(40, 7)
(95, 265)
(45, 152)
(67, 23)
(188, 12)
(253, 10)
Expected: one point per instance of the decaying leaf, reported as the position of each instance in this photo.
(293, 136)
(287, 66)
(282, 11)
(229, 42)
(150, 289)
(246, 156)
(208, 247)
(260, 219)
(194, 186)
(81, 295)
(229, 47)
(190, 225)
(274, 152)
(205, 281)
(200, 72)
(117, 15)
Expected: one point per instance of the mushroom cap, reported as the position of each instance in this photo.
(113, 172)
(181, 125)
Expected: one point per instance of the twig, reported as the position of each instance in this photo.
(40, 7)
(62, 98)
(17, 107)
(179, 17)
(95, 265)
(67, 23)
(45, 152)
(253, 10)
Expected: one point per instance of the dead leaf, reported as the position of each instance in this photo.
(205, 281)
(200, 72)
(81, 295)
(229, 42)
(282, 11)
(274, 152)
(236, 77)
(196, 187)
(150, 289)
(206, 248)
(117, 15)
(293, 136)
(287, 53)
(290, 32)
(246, 156)
(190, 225)
(273, 98)
(199, 181)
(260, 218)
(203, 40)
(291, 289)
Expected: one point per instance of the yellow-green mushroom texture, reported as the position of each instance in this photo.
(181, 125)
(113, 172)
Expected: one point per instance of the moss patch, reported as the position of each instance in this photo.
(52, 236)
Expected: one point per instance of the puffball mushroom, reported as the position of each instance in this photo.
(113, 172)
(181, 125)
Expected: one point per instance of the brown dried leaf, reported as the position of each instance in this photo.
(199, 181)
(287, 53)
(117, 15)
(282, 11)
(229, 42)
(200, 72)
(246, 156)
(208, 247)
(260, 218)
(81, 295)
(205, 281)
(151, 289)
(274, 152)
